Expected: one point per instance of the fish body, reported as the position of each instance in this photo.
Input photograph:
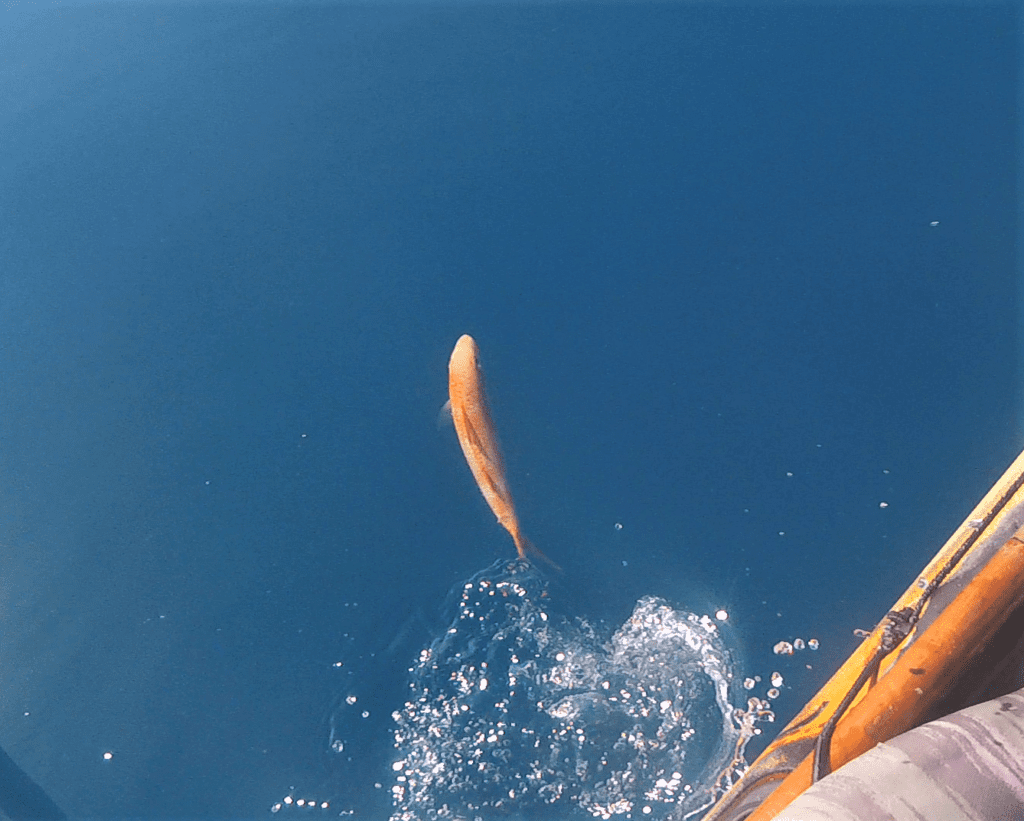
(472, 418)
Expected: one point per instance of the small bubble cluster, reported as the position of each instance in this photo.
(307, 803)
(785, 648)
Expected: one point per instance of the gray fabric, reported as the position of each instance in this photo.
(968, 766)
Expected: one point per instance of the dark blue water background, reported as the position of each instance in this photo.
(738, 275)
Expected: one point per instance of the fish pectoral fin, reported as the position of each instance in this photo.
(444, 416)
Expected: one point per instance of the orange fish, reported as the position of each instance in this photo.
(473, 424)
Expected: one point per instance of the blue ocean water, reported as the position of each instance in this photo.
(744, 282)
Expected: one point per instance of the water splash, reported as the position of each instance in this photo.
(519, 710)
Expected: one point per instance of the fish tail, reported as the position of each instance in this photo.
(527, 549)
(522, 543)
